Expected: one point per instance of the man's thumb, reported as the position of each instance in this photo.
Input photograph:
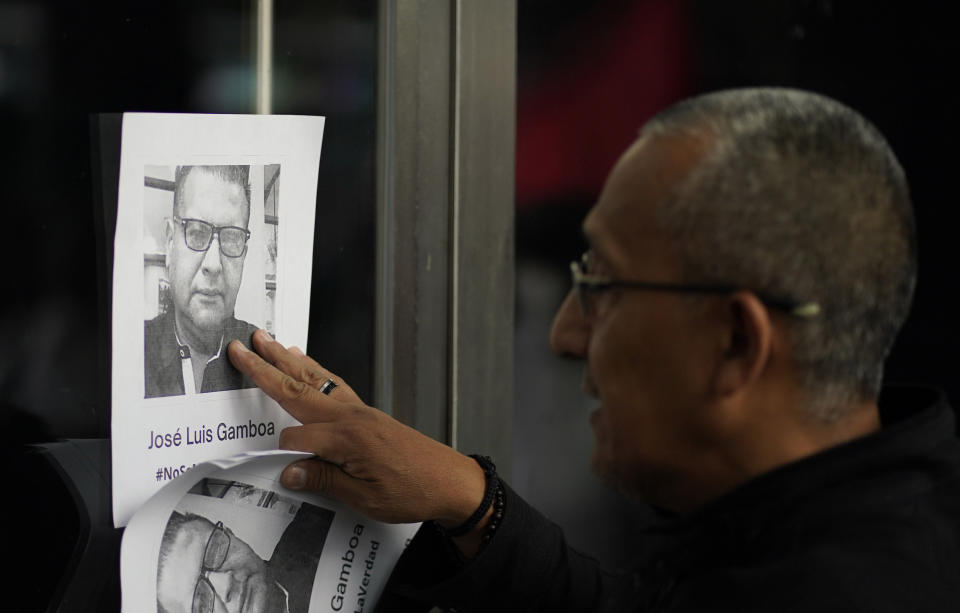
(313, 475)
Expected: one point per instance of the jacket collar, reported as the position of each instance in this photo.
(916, 422)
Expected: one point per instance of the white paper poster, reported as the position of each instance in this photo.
(214, 239)
(227, 537)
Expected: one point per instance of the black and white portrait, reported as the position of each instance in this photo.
(214, 555)
(210, 252)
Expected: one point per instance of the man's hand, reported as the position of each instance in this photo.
(365, 458)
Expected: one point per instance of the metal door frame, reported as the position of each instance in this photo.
(445, 192)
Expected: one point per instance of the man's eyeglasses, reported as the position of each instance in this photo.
(214, 555)
(198, 235)
(588, 284)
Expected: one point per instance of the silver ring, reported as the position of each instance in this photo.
(327, 387)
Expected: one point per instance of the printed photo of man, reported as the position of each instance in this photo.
(204, 567)
(206, 244)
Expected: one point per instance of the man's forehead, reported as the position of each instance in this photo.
(201, 178)
(625, 215)
(213, 198)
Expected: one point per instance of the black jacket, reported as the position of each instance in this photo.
(296, 556)
(871, 525)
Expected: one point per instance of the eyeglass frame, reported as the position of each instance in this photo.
(584, 283)
(215, 231)
(205, 568)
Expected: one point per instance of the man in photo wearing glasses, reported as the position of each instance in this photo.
(204, 567)
(206, 244)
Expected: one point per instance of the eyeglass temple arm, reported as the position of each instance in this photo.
(804, 310)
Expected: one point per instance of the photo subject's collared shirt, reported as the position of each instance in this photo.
(186, 363)
(286, 597)
(166, 373)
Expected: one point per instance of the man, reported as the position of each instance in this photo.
(206, 244)
(204, 567)
(752, 256)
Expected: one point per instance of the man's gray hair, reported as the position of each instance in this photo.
(800, 197)
(238, 174)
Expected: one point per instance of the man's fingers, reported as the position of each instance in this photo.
(304, 402)
(300, 366)
(295, 366)
(340, 390)
(316, 475)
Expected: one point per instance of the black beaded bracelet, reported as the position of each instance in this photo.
(498, 502)
(489, 494)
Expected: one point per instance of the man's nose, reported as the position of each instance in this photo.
(222, 582)
(212, 262)
(570, 332)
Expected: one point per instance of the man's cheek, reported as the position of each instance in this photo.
(236, 270)
(233, 278)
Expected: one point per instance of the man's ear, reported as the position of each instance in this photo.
(748, 341)
(169, 232)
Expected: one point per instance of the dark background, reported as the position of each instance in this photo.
(609, 65)
(589, 74)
